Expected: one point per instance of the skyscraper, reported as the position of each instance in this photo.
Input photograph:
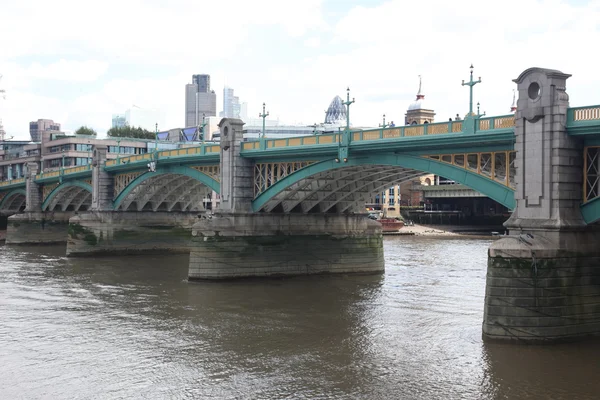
(231, 104)
(199, 100)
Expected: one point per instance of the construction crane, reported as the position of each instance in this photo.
(2, 131)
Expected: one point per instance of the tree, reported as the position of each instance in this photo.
(130, 132)
(84, 130)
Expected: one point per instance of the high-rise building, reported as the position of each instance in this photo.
(41, 126)
(118, 120)
(231, 104)
(203, 82)
(199, 100)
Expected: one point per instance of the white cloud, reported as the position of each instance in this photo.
(63, 70)
(377, 50)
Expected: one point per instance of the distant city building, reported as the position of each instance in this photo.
(336, 112)
(119, 121)
(231, 104)
(199, 100)
(418, 113)
(41, 126)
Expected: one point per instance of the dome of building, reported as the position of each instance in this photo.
(336, 112)
(418, 103)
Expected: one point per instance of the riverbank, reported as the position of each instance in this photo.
(451, 231)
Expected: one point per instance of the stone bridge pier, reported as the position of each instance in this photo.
(33, 225)
(238, 243)
(543, 279)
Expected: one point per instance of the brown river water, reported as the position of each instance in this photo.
(134, 328)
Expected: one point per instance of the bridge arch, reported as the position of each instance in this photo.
(69, 196)
(337, 186)
(169, 188)
(14, 200)
(590, 211)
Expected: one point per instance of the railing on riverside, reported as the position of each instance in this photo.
(11, 182)
(166, 154)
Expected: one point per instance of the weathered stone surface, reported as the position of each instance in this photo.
(38, 228)
(543, 280)
(108, 232)
(262, 245)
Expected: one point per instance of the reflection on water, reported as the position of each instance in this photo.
(133, 327)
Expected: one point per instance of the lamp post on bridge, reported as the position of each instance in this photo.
(89, 149)
(384, 125)
(118, 149)
(470, 84)
(347, 104)
(263, 116)
(468, 125)
(201, 127)
(155, 139)
(479, 115)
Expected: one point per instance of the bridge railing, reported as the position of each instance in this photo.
(439, 128)
(11, 182)
(581, 116)
(312, 140)
(166, 154)
(64, 171)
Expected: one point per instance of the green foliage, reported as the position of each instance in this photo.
(85, 130)
(130, 132)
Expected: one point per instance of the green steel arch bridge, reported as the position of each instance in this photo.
(320, 173)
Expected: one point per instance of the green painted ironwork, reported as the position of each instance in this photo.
(347, 103)
(264, 115)
(590, 211)
(10, 195)
(496, 191)
(61, 187)
(167, 169)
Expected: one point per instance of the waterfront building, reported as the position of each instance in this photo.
(56, 149)
(200, 100)
(42, 126)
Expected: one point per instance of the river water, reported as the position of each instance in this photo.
(134, 328)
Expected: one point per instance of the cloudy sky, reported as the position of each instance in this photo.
(78, 62)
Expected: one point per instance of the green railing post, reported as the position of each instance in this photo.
(570, 115)
(425, 129)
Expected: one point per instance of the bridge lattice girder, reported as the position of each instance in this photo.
(13, 201)
(331, 186)
(340, 190)
(170, 192)
(69, 196)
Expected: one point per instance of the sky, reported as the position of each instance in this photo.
(79, 62)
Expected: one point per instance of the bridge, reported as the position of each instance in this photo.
(295, 206)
